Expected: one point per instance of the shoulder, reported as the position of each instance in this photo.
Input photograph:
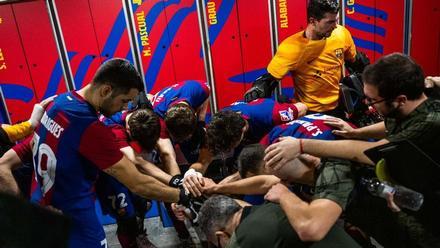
(341, 30)
(293, 44)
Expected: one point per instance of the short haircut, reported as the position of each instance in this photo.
(318, 8)
(144, 127)
(396, 74)
(224, 131)
(120, 74)
(181, 121)
(250, 159)
(215, 214)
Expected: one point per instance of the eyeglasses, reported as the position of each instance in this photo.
(369, 102)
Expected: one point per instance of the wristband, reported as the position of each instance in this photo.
(175, 181)
(191, 172)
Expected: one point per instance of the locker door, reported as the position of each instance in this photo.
(390, 16)
(186, 46)
(291, 18)
(224, 38)
(361, 19)
(154, 43)
(425, 39)
(40, 48)
(111, 29)
(15, 80)
(79, 37)
(254, 24)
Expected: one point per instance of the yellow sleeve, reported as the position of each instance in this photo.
(18, 131)
(350, 48)
(286, 58)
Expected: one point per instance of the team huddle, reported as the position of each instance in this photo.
(258, 173)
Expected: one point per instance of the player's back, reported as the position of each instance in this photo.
(263, 114)
(193, 92)
(307, 127)
(65, 177)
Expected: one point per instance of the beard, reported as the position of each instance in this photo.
(322, 35)
(105, 108)
(394, 112)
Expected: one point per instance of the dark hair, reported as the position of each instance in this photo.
(5, 142)
(181, 121)
(396, 74)
(250, 159)
(215, 214)
(318, 8)
(120, 74)
(224, 131)
(144, 128)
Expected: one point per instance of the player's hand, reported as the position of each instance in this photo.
(210, 186)
(179, 211)
(38, 111)
(276, 193)
(48, 100)
(343, 128)
(278, 154)
(193, 182)
(431, 82)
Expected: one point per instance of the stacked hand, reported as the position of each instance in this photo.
(193, 182)
(279, 153)
(344, 129)
(276, 193)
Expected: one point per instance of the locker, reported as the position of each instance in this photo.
(425, 35)
(185, 40)
(77, 26)
(15, 79)
(152, 34)
(40, 48)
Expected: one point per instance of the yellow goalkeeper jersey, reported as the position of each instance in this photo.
(316, 66)
(18, 131)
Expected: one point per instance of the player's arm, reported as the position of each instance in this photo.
(193, 180)
(12, 160)
(311, 221)
(278, 154)
(292, 112)
(201, 111)
(100, 146)
(231, 178)
(302, 109)
(205, 158)
(168, 156)
(21, 130)
(8, 162)
(375, 131)
(148, 187)
(146, 167)
(249, 186)
(345, 149)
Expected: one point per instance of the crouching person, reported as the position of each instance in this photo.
(226, 223)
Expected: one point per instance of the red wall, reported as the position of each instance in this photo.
(425, 39)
